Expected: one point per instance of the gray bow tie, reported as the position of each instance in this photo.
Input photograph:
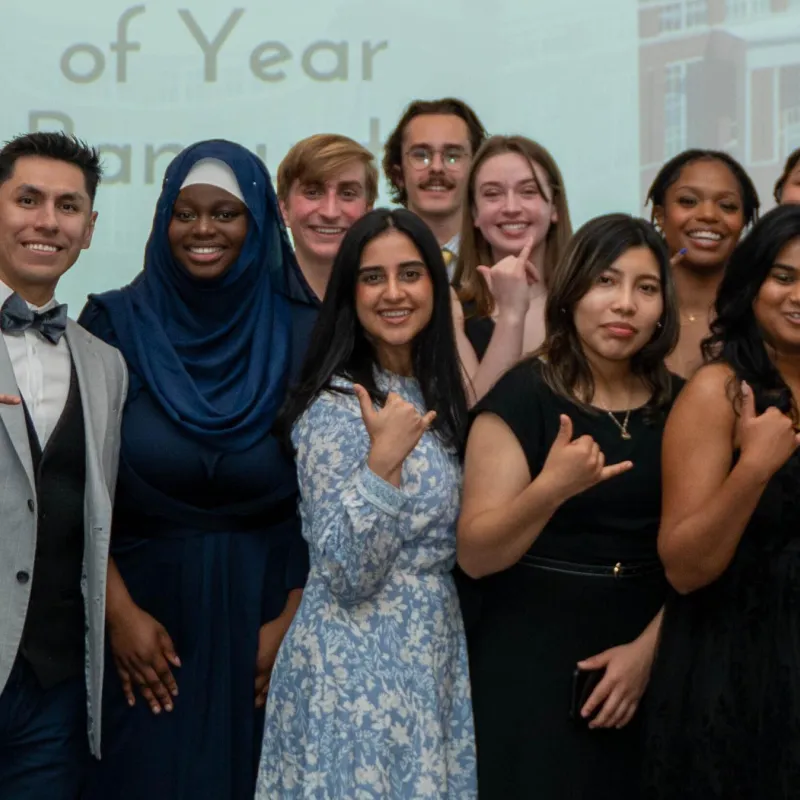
(16, 316)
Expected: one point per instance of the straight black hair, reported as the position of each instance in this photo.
(339, 346)
(57, 146)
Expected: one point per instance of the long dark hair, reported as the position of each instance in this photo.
(736, 337)
(590, 252)
(339, 347)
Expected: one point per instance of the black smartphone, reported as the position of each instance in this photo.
(584, 682)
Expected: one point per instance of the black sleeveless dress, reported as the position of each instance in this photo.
(591, 581)
(724, 699)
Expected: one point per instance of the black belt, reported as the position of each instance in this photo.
(620, 569)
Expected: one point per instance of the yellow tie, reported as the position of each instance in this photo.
(447, 256)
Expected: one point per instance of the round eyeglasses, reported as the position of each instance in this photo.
(453, 158)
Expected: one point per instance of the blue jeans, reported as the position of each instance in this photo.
(44, 746)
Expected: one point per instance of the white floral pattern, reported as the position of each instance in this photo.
(369, 696)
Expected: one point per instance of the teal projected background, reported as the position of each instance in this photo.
(612, 88)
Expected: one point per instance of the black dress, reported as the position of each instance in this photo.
(591, 581)
(724, 707)
(478, 330)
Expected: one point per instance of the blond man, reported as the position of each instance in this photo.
(325, 183)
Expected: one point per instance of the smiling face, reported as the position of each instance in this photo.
(435, 165)
(777, 305)
(207, 230)
(618, 316)
(394, 298)
(46, 219)
(513, 203)
(702, 213)
(319, 214)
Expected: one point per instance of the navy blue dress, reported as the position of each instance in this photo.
(209, 544)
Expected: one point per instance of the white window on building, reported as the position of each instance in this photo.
(675, 123)
(676, 15)
(680, 14)
(741, 10)
(696, 13)
(790, 130)
(669, 18)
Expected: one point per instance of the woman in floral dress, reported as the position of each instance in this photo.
(370, 697)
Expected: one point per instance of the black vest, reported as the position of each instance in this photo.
(53, 637)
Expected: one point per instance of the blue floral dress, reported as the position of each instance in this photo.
(370, 693)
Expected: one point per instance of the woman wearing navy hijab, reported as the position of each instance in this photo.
(207, 562)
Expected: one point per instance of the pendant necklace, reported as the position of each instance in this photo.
(623, 426)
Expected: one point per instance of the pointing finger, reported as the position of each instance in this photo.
(525, 253)
(613, 470)
(678, 257)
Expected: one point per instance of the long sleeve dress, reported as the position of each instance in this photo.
(370, 694)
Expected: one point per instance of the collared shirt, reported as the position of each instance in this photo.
(452, 247)
(42, 370)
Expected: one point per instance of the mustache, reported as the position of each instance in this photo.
(437, 181)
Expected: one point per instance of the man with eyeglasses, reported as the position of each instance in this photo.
(426, 160)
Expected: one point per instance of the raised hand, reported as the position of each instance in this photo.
(572, 466)
(508, 281)
(393, 430)
(678, 257)
(766, 440)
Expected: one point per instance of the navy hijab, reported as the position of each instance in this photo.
(213, 354)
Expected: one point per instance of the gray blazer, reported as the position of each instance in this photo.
(103, 381)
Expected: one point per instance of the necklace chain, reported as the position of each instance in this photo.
(623, 426)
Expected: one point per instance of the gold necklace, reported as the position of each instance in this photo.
(623, 427)
(692, 317)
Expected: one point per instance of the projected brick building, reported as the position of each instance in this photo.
(722, 74)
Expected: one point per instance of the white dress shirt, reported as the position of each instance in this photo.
(42, 370)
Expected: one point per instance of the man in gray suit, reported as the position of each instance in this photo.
(62, 397)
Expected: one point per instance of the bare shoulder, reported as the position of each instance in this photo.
(709, 389)
(491, 440)
(704, 411)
